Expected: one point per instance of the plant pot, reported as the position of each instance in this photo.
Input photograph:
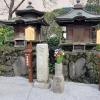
(59, 59)
(58, 69)
(58, 79)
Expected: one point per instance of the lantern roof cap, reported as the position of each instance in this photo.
(29, 10)
(29, 5)
(78, 5)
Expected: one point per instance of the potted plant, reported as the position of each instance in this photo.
(58, 79)
(59, 55)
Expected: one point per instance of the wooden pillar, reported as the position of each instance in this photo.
(28, 58)
(30, 35)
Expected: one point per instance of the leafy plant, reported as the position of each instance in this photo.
(98, 47)
(51, 68)
(2, 69)
(6, 33)
(59, 55)
(53, 41)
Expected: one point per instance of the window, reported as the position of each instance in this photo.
(19, 43)
(78, 47)
(93, 34)
(65, 35)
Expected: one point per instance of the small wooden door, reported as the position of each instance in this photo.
(78, 34)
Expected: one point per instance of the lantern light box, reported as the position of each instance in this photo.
(98, 37)
(30, 33)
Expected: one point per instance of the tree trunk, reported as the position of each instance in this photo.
(11, 8)
(10, 15)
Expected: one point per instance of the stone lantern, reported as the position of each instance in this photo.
(27, 28)
(24, 18)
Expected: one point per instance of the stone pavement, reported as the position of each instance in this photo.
(18, 88)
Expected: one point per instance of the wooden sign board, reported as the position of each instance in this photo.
(30, 33)
(98, 37)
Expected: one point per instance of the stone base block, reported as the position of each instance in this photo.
(42, 85)
(58, 84)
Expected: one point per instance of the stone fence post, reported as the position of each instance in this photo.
(42, 54)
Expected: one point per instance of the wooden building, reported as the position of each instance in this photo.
(25, 18)
(80, 33)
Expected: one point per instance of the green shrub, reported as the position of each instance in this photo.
(2, 69)
(51, 68)
(53, 42)
(98, 47)
(6, 34)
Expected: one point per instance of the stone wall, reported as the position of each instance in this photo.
(81, 67)
(12, 62)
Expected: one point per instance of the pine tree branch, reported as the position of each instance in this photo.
(17, 6)
(44, 3)
(11, 6)
(6, 4)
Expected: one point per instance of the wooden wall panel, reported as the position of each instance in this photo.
(70, 34)
(79, 34)
(87, 34)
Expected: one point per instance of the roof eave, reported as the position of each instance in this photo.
(71, 21)
(20, 12)
(23, 21)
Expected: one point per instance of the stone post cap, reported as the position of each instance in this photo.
(42, 44)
